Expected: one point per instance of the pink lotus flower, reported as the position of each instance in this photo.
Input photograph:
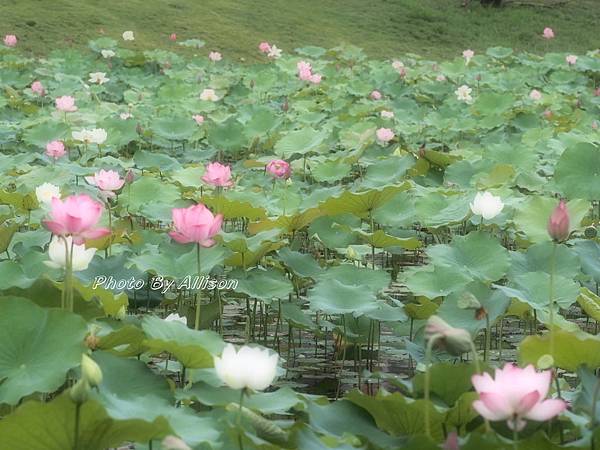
(10, 40)
(548, 33)
(198, 118)
(38, 88)
(215, 56)
(375, 95)
(304, 75)
(515, 394)
(66, 103)
(264, 47)
(303, 65)
(548, 114)
(468, 55)
(76, 216)
(559, 223)
(279, 169)
(173, 37)
(597, 92)
(571, 59)
(106, 180)
(304, 70)
(195, 224)
(55, 149)
(440, 77)
(384, 135)
(535, 95)
(315, 78)
(217, 174)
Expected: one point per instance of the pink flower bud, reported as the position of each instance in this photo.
(548, 33)
(558, 223)
(173, 37)
(375, 95)
(129, 176)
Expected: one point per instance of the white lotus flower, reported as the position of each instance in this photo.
(46, 192)
(57, 254)
(387, 114)
(463, 94)
(125, 116)
(95, 136)
(398, 65)
(175, 317)
(249, 367)
(107, 53)
(128, 36)
(274, 52)
(209, 95)
(98, 78)
(487, 205)
(99, 135)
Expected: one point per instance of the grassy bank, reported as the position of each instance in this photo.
(384, 28)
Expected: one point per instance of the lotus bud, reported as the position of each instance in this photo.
(352, 254)
(129, 176)
(90, 371)
(174, 443)
(478, 77)
(455, 341)
(121, 313)
(558, 223)
(80, 391)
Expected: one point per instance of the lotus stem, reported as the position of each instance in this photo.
(426, 395)
(551, 299)
(199, 293)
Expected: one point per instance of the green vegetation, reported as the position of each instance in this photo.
(384, 28)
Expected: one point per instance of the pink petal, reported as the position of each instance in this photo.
(546, 410)
(207, 243)
(497, 403)
(480, 407)
(179, 237)
(216, 225)
(54, 227)
(95, 233)
(483, 383)
(527, 402)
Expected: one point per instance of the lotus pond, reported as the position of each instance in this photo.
(318, 251)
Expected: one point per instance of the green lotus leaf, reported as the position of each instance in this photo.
(39, 347)
(360, 204)
(532, 216)
(194, 349)
(533, 288)
(477, 254)
(266, 285)
(301, 142)
(333, 297)
(435, 281)
(174, 128)
(577, 172)
(303, 265)
(571, 349)
(55, 427)
(149, 190)
(395, 414)
(143, 395)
